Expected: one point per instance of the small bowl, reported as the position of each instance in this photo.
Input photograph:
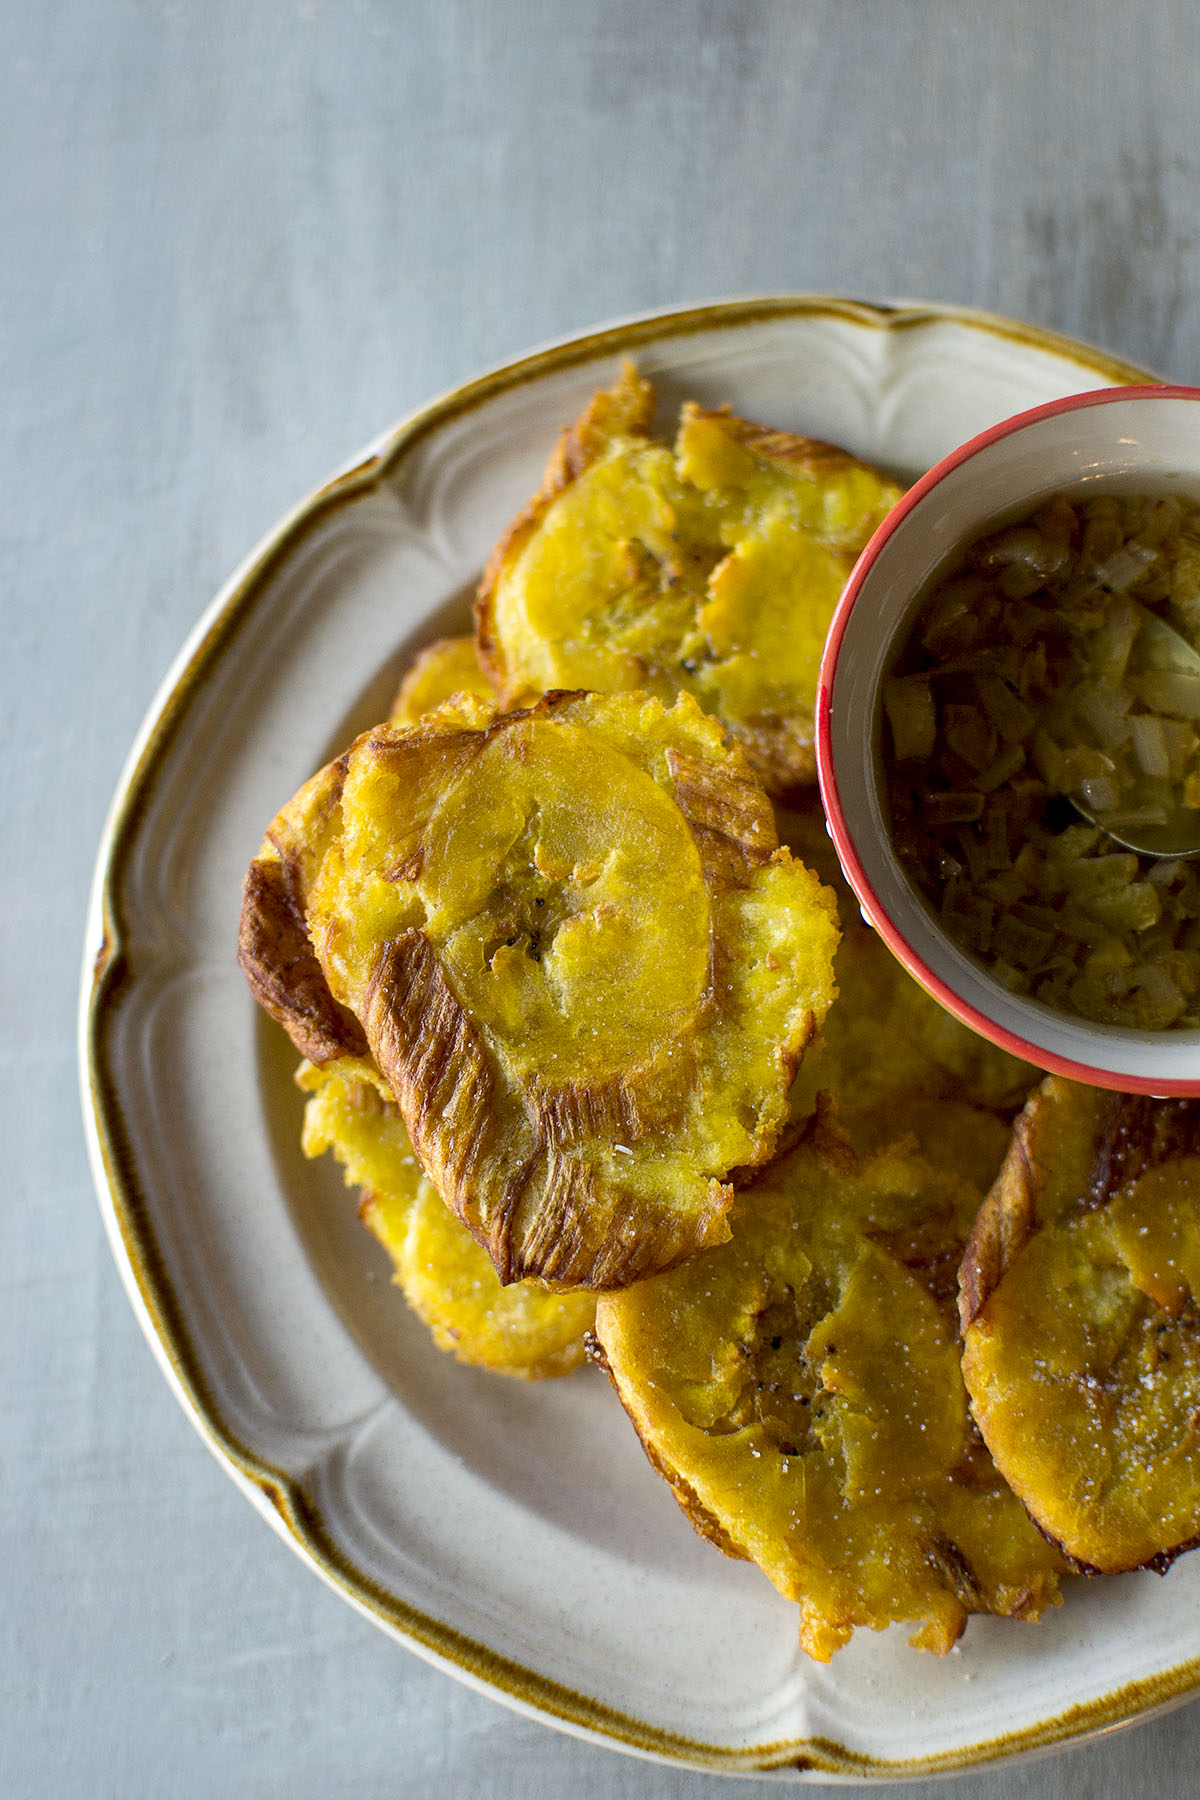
(1132, 440)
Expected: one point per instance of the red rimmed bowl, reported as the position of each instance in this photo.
(1127, 440)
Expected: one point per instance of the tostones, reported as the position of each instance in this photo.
(447, 667)
(1080, 1304)
(444, 1275)
(712, 568)
(889, 1059)
(799, 1388)
(275, 950)
(576, 952)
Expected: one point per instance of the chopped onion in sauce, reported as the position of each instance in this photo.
(1039, 673)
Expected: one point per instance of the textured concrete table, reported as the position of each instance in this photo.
(238, 241)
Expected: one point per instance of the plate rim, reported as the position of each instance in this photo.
(106, 980)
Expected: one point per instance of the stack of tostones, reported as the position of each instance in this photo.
(799, 1387)
(553, 974)
(1081, 1323)
(712, 568)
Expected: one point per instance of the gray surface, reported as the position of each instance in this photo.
(238, 240)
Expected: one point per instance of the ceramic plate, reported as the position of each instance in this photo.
(513, 1533)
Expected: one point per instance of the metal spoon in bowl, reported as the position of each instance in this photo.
(1146, 819)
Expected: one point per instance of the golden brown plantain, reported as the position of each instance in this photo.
(445, 1277)
(889, 1059)
(711, 568)
(447, 667)
(581, 962)
(799, 1388)
(1081, 1324)
(275, 950)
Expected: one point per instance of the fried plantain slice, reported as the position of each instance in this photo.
(443, 669)
(1081, 1323)
(799, 1388)
(889, 1059)
(583, 965)
(886, 1036)
(445, 1277)
(274, 948)
(711, 568)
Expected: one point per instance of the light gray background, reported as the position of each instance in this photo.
(238, 239)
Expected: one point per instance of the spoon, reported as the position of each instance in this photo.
(1159, 649)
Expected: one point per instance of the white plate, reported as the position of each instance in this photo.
(514, 1534)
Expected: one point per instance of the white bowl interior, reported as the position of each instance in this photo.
(1139, 444)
